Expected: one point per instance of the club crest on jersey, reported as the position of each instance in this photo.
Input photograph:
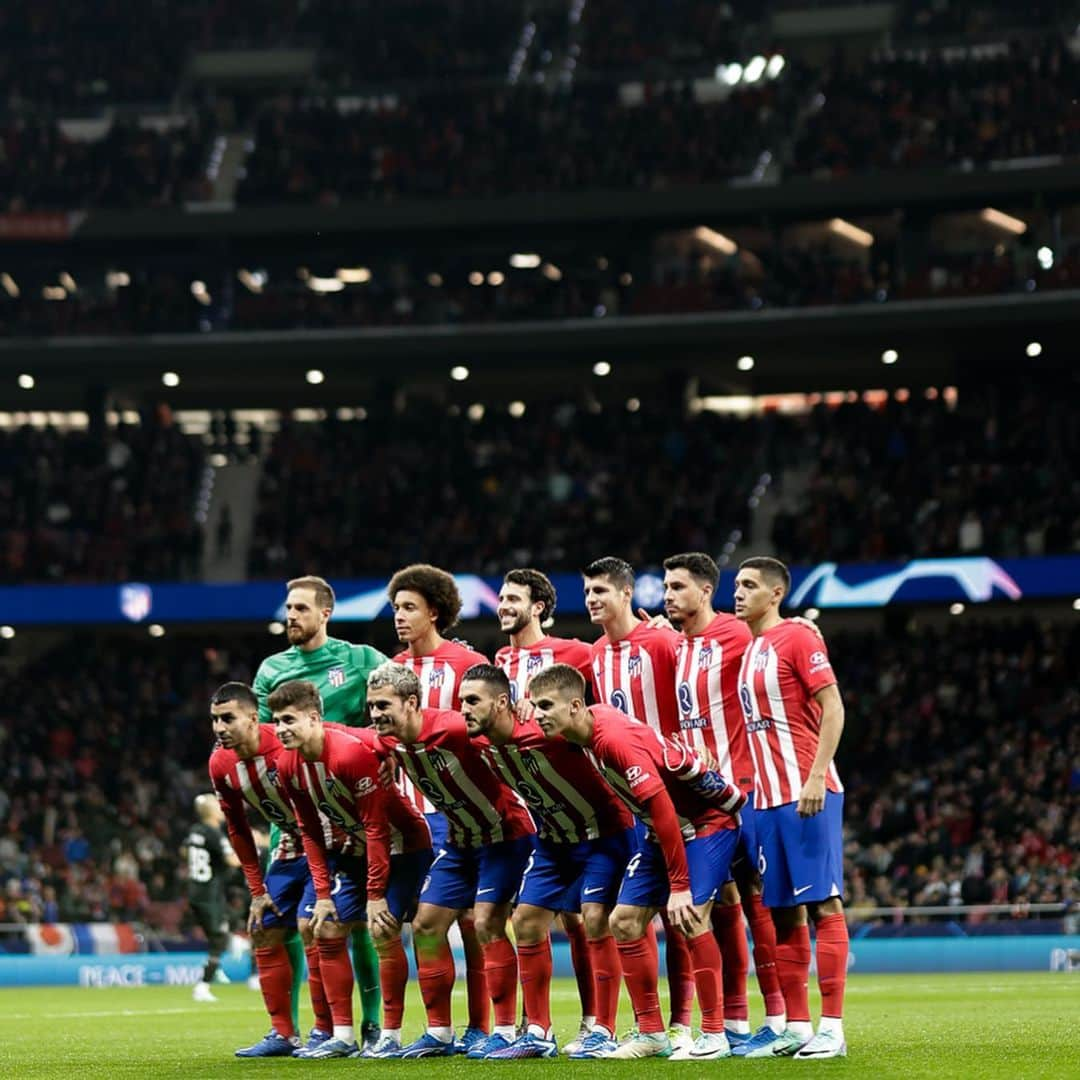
(761, 661)
(336, 676)
(272, 775)
(705, 656)
(534, 664)
(436, 677)
(633, 666)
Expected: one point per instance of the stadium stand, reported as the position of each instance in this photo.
(97, 507)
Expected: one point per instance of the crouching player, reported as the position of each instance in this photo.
(585, 839)
(691, 819)
(489, 838)
(244, 773)
(332, 774)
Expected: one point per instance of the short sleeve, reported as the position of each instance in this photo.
(810, 660)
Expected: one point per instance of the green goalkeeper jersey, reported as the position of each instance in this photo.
(339, 669)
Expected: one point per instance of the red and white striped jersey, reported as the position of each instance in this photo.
(445, 765)
(342, 786)
(708, 696)
(637, 676)
(638, 763)
(440, 681)
(521, 664)
(781, 672)
(569, 801)
(255, 782)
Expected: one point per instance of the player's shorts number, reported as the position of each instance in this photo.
(620, 702)
(762, 863)
(200, 868)
(525, 873)
(633, 864)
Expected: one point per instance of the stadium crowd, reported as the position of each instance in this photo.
(994, 476)
(76, 506)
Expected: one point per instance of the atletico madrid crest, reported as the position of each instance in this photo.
(336, 676)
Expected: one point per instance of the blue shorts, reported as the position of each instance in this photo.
(461, 877)
(801, 859)
(407, 873)
(560, 877)
(285, 880)
(746, 854)
(348, 889)
(437, 825)
(645, 884)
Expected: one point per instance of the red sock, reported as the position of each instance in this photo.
(680, 974)
(582, 961)
(763, 932)
(727, 924)
(535, 961)
(641, 970)
(323, 1020)
(832, 957)
(435, 974)
(793, 970)
(337, 978)
(475, 982)
(393, 978)
(707, 966)
(604, 957)
(275, 981)
(501, 972)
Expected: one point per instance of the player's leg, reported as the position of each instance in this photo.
(709, 859)
(730, 933)
(599, 888)
(448, 889)
(574, 927)
(210, 918)
(349, 894)
(823, 846)
(365, 960)
(680, 983)
(778, 836)
(407, 873)
(500, 868)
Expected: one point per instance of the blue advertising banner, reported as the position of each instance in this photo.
(1025, 953)
(826, 585)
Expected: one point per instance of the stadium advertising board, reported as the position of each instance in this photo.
(826, 585)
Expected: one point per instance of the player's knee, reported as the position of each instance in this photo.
(490, 924)
(833, 906)
(729, 894)
(530, 924)
(266, 939)
(627, 923)
(303, 928)
(596, 918)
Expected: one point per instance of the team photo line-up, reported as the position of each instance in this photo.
(680, 766)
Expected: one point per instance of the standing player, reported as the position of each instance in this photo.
(339, 670)
(633, 670)
(691, 818)
(526, 604)
(208, 854)
(489, 839)
(332, 774)
(585, 839)
(794, 719)
(244, 772)
(711, 721)
(426, 604)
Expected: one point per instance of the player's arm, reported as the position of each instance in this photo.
(241, 837)
(812, 796)
(690, 768)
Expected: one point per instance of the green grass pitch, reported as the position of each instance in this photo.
(971, 1027)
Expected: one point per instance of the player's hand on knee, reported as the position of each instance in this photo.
(324, 912)
(681, 912)
(259, 907)
(381, 921)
